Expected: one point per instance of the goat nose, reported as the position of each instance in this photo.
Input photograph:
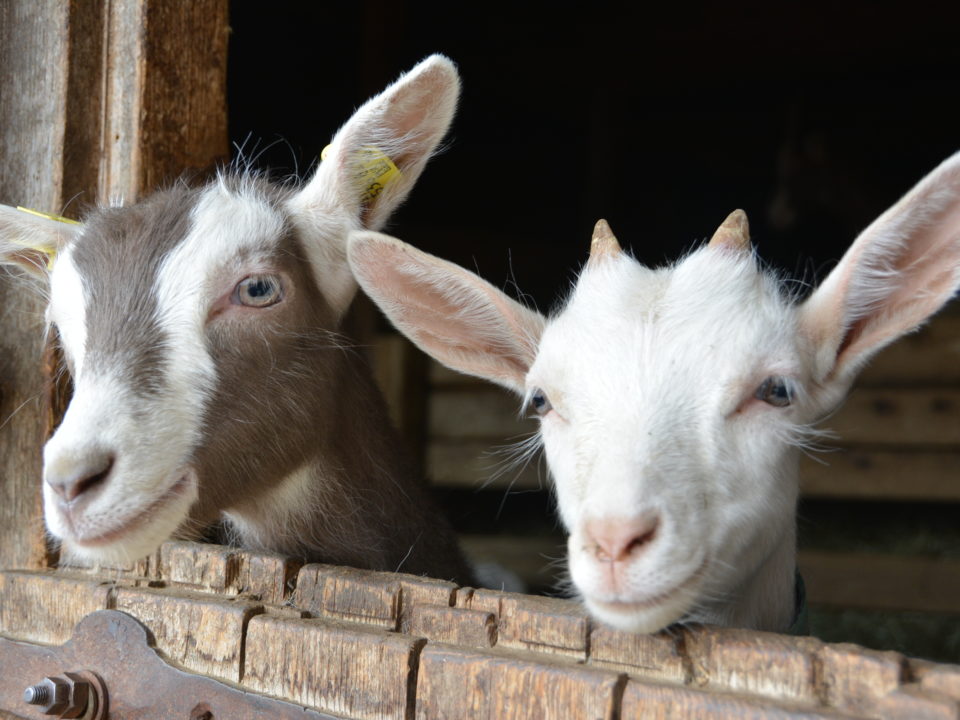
(617, 539)
(82, 476)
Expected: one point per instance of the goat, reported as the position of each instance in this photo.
(673, 402)
(200, 327)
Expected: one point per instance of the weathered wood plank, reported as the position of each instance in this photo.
(914, 703)
(166, 93)
(899, 417)
(454, 626)
(529, 622)
(366, 596)
(483, 412)
(656, 658)
(346, 669)
(871, 474)
(34, 57)
(935, 677)
(754, 663)
(854, 678)
(891, 582)
(546, 625)
(458, 683)
(44, 606)
(928, 357)
(199, 632)
(664, 702)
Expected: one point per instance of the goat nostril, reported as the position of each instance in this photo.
(640, 540)
(73, 486)
(618, 539)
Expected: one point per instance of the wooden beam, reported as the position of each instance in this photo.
(35, 57)
(881, 582)
(871, 474)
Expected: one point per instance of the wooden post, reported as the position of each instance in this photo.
(98, 101)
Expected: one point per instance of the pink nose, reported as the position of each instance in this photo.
(87, 474)
(618, 539)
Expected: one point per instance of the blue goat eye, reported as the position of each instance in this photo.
(540, 402)
(258, 291)
(776, 391)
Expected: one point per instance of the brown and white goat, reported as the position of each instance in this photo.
(201, 330)
(673, 402)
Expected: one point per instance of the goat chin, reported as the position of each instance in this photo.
(132, 537)
(646, 619)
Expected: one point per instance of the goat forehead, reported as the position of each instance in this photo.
(709, 320)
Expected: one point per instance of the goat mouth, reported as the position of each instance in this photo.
(624, 607)
(139, 519)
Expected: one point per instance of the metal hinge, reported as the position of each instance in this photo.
(110, 670)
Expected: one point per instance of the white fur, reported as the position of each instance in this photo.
(676, 482)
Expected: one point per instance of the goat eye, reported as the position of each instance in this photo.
(258, 291)
(775, 391)
(540, 402)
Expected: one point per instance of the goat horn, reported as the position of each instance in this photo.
(733, 233)
(604, 243)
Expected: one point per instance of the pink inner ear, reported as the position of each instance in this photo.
(907, 272)
(453, 315)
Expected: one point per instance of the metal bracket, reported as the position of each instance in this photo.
(115, 648)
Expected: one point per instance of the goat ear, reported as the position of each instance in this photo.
(31, 241)
(373, 162)
(903, 268)
(449, 313)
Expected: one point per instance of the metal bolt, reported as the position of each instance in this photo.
(36, 695)
(51, 695)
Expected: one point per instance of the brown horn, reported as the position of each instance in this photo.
(604, 243)
(733, 233)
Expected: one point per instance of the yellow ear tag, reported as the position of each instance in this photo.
(47, 249)
(375, 170)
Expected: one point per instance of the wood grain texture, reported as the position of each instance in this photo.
(944, 679)
(657, 658)
(351, 670)
(348, 594)
(928, 357)
(166, 93)
(454, 626)
(34, 51)
(198, 632)
(216, 568)
(665, 702)
(456, 683)
(543, 624)
(374, 598)
(912, 703)
(851, 677)
(754, 663)
(44, 606)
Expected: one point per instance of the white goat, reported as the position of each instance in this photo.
(672, 402)
(199, 326)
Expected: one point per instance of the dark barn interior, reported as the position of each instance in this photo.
(814, 118)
